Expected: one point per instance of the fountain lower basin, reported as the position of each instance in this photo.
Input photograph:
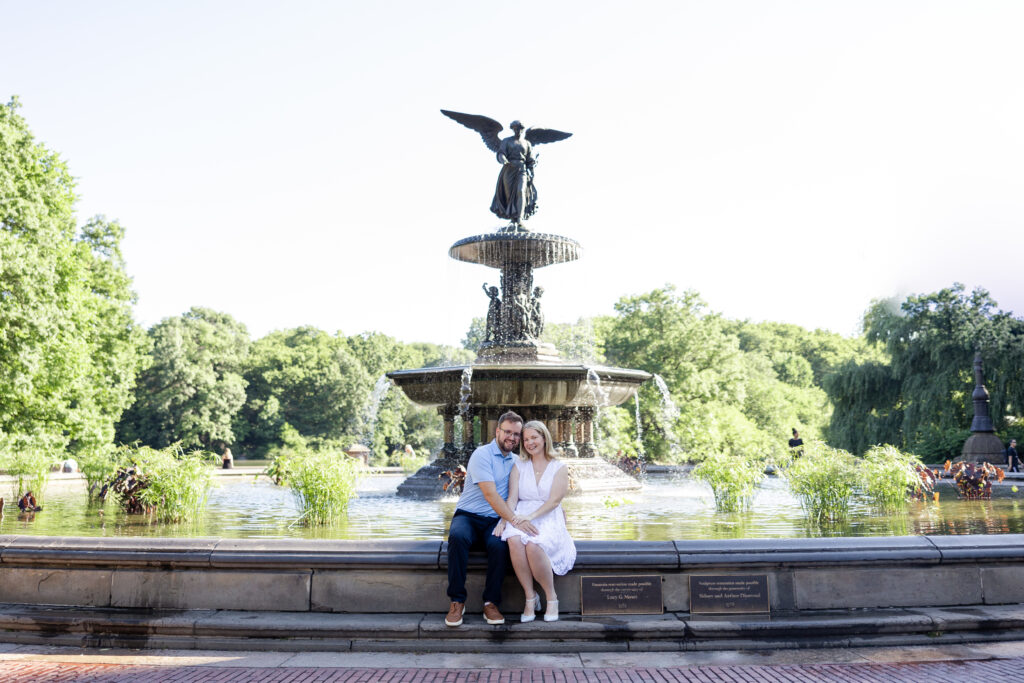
(525, 385)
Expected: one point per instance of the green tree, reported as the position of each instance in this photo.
(673, 336)
(306, 379)
(193, 386)
(69, 350)
(920, 393)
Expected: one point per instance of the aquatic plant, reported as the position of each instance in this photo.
(98, 466)
(169, 483)
(280, 468)
(284, 457)
(322, 483)
(973, 482)
(453, 480)
(29, 459)
(888, 477)
(824, 480)
(732, 479)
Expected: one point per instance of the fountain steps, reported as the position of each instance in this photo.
(425, 632)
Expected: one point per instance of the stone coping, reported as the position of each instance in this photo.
(19, 550)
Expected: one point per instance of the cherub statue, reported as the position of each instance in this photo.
(492, 330)
(515, 197)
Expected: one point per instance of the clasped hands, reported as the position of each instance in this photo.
(523, 523)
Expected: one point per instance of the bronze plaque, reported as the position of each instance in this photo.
(640, 594)
(729, 594)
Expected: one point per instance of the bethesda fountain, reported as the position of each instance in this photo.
(513, 369)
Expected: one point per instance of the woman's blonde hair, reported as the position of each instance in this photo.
(549, 449)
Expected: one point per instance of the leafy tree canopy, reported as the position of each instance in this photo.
(69, 350)
(193, 387)
(918, 395)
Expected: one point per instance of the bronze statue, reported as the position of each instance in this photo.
(536, 315)
(515, 197)
(492, 330)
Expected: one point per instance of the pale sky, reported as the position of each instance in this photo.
(286, 162)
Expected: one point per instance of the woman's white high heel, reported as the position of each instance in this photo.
(536, 607)
(552, 613)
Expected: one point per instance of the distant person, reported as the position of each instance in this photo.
(227, 461)
(796, 443)
(1012, 461)
(69, 466)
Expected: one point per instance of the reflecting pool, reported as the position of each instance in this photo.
(666, 509)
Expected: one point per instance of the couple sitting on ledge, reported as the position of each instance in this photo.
(511, 506)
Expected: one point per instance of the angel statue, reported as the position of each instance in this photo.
(515, 197)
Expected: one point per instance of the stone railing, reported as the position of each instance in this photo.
(411, 576)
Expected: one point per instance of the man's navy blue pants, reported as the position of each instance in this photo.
(470, 531)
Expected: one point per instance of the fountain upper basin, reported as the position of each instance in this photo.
(521, 385)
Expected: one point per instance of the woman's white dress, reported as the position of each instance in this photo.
(552, 535)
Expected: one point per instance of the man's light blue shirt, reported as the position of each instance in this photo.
(487, 463)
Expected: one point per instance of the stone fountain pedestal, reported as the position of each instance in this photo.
(982, 445)
(515, 370)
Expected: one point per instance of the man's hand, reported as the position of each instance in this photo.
(526, 526)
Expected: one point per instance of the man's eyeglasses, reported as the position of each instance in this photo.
(506, 432)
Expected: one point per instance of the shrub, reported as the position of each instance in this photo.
(888, 476)
(411, 463)
(167, 482)
(732, 479)
(824, 479)
(322, 483)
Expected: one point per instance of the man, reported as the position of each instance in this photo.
(1011, 456)
(480, 507)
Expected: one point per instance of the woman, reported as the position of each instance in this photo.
(536, 487)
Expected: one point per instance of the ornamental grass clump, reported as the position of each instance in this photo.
(169, 483)
(824, 479)
(29, 460)
(732, 479)
(889, 477)
(322, 483)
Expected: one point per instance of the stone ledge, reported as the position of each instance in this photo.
(809, 551)
(971, 548)
(115, 551)
(312, 554)
(633, 556)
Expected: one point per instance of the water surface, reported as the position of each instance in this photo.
(667, 509)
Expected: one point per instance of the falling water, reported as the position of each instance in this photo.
(639, 426)
(380, 390)
(598, 398)
(465, 390)
(669, 416)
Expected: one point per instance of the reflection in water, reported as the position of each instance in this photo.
(668, 509)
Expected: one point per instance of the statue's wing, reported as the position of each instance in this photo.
(488, 128)
(539, 136)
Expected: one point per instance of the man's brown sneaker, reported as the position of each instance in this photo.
(492, 615)
(454, 617)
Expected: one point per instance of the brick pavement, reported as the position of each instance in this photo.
(932, 672)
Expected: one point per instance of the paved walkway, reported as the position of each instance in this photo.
(987, 662)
